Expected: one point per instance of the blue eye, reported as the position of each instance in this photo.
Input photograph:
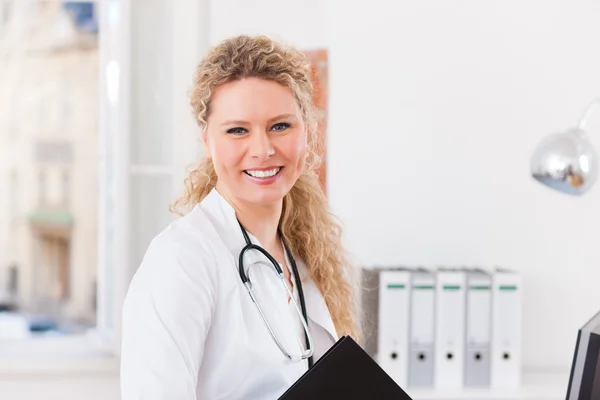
(236, 131)
(280, 127)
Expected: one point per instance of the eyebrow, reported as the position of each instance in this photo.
(242, 122)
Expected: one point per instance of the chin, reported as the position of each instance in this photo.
(264, 196)
(265, 199)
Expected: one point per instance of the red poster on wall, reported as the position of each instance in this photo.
(318, 59)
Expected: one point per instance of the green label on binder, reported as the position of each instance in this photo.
(423, 287)
(395, 286)
(508, 287)
(451, 287)
(479, 287)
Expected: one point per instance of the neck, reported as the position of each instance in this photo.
(261, 221)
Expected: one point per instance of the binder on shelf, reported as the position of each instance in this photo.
(478, 328)
(422, 328)
(369, 309)
(450, 328)
(506, 329)
(394, 313)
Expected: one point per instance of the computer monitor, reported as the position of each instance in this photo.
(584, 382)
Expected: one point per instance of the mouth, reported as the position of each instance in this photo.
(263, 173)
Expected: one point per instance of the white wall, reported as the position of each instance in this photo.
(435, 108)
(300, 23)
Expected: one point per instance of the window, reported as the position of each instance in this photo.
(51, 264)
(65, 99)
(147, 122)
(99, 160)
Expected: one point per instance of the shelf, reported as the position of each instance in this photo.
(537, 385)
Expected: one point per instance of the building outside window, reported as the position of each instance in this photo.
(51, 163)
(97, 168)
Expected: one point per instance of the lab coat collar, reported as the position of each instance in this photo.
(223, 214)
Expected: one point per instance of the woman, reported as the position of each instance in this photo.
(190, 328)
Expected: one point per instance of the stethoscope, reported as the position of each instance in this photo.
(308, 352)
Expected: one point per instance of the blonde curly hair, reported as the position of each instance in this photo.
(311, 231)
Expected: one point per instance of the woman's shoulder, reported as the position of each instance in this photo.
(177, 273)
(186, 232)
(183, 246)
(200, 228)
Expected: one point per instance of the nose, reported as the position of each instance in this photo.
(261, 146)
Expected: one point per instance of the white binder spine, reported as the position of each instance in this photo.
(394, 307)
(478, 329)
(450, 329)
(422, 329)
(506, 329)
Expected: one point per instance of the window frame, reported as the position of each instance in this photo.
(114, 127)
(189, 38)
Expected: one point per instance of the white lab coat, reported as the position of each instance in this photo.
(190, 330)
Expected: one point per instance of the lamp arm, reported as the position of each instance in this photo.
(589, 110)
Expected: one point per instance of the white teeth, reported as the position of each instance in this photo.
(263, 173)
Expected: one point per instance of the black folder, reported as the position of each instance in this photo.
(345, 372)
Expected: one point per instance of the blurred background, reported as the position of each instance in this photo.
(431, 112)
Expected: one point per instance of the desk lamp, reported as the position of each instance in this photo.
(566, 161)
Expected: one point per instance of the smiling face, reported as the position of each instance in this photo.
(257, 140)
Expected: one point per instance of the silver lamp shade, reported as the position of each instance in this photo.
(567, 161)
